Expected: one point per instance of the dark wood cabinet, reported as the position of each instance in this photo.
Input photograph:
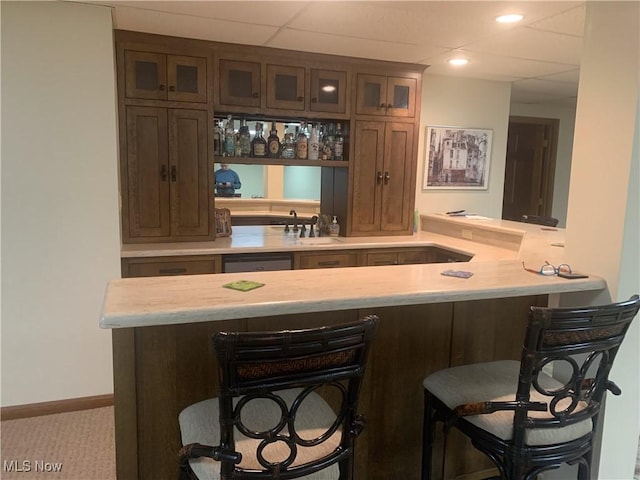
(440, 255)
(285, 87)
(157, 76)
(383, 178)
(165, 266)
(167, 191)
(328, 91)
(239, 83)
(395, 256)
(386, 95)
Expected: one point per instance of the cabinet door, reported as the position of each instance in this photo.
(239, 83)
(397, 193)
(146, 180)
(382, 258)
(285, 87)
(367, 177)
(188, 172)
(328, 91)
(187, 78)
(371, 95)
(401, 97)
(145, 75)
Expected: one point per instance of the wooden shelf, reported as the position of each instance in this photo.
(281, 161)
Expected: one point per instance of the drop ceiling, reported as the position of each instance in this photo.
(540, 56)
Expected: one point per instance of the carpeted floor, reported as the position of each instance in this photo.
(69, 446)
(66, 446)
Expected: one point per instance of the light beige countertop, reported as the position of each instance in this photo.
(499, 248)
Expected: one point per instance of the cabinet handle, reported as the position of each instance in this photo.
(255, 95)
(389, 105)
(172, 88)
(161, 88)
(301, 99)
(174, 173)
(329, 263)
(172, 271)
(382, 105)
(386, 177)
(314, 100)
(163, 173)
(378, 177)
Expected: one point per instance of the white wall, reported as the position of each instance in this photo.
(567, 117)
(60, 227)
(602, 220)
(449, 101)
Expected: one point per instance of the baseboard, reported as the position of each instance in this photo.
(56, 406)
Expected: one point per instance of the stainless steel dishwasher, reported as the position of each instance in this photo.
(256, 262)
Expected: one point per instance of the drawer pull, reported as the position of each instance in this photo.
(173, 271)
(329, 263)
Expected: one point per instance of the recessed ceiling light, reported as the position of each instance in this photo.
(512, 18)
(458, 61)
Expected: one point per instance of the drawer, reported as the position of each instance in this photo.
(326, 260)
(167, 266)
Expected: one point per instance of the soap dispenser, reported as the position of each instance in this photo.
(334, 227)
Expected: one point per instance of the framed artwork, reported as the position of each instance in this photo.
(457, 158)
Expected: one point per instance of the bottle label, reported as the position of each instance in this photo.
(338, 151)
(313, 151)
(258, 149)
(302, 150)
(274, 147)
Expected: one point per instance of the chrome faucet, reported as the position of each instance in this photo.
(295, 220)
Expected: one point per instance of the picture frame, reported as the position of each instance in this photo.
(457, 158)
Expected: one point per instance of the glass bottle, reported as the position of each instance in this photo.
(326, 144)
(273, 142)
(229, 138)
(338, 144)
(218, 135)
(314, 144)
(244, 137)
(302, 142)
(259, 144)
(288, 145)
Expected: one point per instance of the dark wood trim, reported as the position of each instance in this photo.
(56, 406)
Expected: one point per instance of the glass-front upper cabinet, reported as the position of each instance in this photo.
(328, 91)
(158, 76)
(285, 87)
(240, 83)
(387, 96)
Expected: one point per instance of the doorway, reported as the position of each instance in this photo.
(530, 167)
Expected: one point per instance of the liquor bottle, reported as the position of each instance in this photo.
(326, 144)
(217, 138)
(338, 144)
(302, 142)
(244, 137)
(288, 145)
(229, 138)
(273, 142)
(314, 144)
(259, 144)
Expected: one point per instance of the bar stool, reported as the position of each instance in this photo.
(272, 419)
(522, 418)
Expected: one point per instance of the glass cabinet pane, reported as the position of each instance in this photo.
(286, 87)
(187, 78)
(329, 89)
(400, 96)
(371, 94)
(240, 83)
(146, 75)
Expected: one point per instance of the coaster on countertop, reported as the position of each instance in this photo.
(243, 285)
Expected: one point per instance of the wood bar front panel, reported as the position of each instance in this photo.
(158, 371)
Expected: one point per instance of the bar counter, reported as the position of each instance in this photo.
(162, 326)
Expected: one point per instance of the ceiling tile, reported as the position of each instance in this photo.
(343, 45)
(127, 18)
(570, 22)
(570, 76)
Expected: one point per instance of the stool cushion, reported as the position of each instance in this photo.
(199, 423)
(498, 381)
